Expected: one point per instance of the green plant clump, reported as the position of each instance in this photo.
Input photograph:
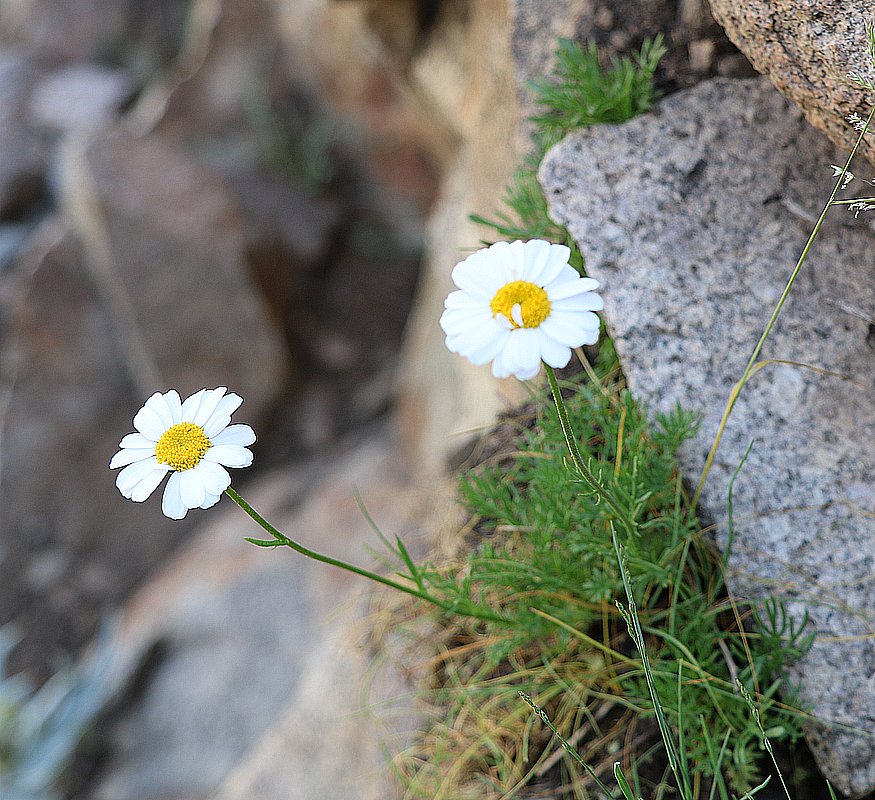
(544, 558)
(541, 557)
(580, 92)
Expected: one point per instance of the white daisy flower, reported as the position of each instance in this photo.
(192, 440)
(520, 303)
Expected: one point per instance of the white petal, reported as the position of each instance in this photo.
(241, 435)
(454, 318)
(210, 500)
(466, 340)
(516, 314)
(569, 288)
(567, 274)
(480, 275)
(536, 257)
(132, 474)
(526, 352)
(488, 347)
(228, 405)
(129, 455)
(217, 423)
(559, 255)
(582, 319)
(588, 301)
(149, 484)
(553, 353)
(545, 263)
(149, 424)
(174, 404)
(136, 440)
(221, 416)
(462, 299)
(565, 329)
(159, 405)
(191, 405)
(215, 478)
(512, 255)
(527, 373)
(520, 356)
(210, 400)
(229, 455)
(171, 503)
(467, 337)
(191, 488)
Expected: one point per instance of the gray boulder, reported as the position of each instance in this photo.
(692, 218)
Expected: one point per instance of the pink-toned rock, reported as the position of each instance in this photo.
(807, 49)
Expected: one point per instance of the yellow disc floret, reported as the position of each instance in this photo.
(534, 305)
(182, 446)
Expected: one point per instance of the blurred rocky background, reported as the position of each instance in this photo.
(268, 195)
(182, 204)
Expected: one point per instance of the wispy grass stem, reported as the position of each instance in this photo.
(751, 367)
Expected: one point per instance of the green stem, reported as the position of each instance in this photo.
(594, 483)
(281, 540)
(749, 369)
(637, 635)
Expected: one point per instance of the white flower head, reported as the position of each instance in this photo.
(520, 303)
(848, 175)
(192, 440)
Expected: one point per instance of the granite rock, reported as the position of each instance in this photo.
(807, 50)
(692, 218)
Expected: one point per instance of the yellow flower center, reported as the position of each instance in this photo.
(182, 446)
(534, 305)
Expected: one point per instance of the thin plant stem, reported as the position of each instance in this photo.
(281, 540)
(751, 364)
(634, 624)
(565, 744)
(623, 515)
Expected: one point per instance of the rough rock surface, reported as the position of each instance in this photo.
(807, 50)
(692, 217)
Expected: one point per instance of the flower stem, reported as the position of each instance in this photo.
(751, 364)
(281, 540)
(623, 515)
